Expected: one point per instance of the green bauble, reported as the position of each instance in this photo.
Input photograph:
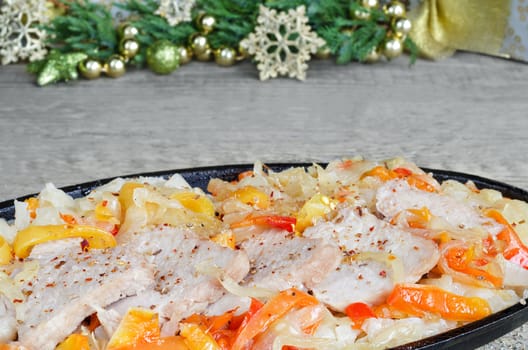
(163, 57)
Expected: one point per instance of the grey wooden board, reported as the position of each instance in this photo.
(468, 113)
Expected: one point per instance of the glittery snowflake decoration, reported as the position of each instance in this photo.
(20, 38)
(175, 11)
(282, 43)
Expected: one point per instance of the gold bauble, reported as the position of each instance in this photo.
(361, 14)
(323, 53)
(185, 54)
(373, 56)
(392, 48)
(199, 44)
(128, 31)
(206, 23)
(204, 56)
(128, 48)
(369, 3)
(225, 56)
(243, 53)
(402, 27)
(115, 66)
(90, 69)
(395, 9)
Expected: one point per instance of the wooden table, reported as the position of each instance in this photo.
(468, 113)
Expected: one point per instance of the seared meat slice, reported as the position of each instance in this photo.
(280, 261)
(180, 288)
(71, 284)
(366, 281)
(355, 230)
(397, 195)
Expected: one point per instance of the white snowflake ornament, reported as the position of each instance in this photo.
(19, 36)
(175, 11)
(282, 43)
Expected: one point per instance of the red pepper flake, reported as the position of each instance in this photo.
(49, 285)
(383, 273)
(115, 230)
(84, 245)
(17, 301)
(88, 279)
(104, 203)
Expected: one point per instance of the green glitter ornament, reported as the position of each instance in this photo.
(56, 67)
(163, 57)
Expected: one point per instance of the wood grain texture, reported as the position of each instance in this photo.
(467, 113)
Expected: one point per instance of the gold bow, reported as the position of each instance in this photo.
(440, 27)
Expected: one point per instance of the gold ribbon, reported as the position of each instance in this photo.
(440, 27)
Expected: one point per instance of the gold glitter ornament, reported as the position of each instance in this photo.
(369, 3)
(128, 31)
(323, 53)
(205, 56)
(163, 57)
(392, 48)
(225, 56)
(206, 23)
(396, 9)
(373, 56)
(90, 69)
(115, 66)
(57, 67)
(199, 44)
(128, 48)
(185, 54)
(402, 27)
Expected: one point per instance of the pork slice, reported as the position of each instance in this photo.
(181, 289)
(366, 281)
(8, 322)
(355, 230)
(280, 261)
(71, 284)
(397, 195)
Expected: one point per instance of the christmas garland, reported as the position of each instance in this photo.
(63, 38)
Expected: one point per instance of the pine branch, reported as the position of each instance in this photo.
(86, 27)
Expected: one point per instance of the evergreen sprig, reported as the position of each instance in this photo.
(85, 27)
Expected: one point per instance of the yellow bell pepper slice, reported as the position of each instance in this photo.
(26, 239)
(6, 253)
(224, 239)
(126, 195)
(137, 326)
(75, 342)
(252, 196)
(195, 202)
(314, 209)
(196, 338)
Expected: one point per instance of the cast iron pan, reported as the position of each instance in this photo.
(469, 336)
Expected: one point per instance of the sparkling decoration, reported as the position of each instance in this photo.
(369, 3)
(20, 37)
(393, 48)
(402, 27)
(90, 69)
(128, 31)
(199, 44)
(57, 67)
(175, 11)
(115, 66)
(282, 43)
(128, 48)
(185, 54)
(206, 23)
(225, 56)
(396, 9)
(163, 57)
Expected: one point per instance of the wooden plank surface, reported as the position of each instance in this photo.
(468, 113)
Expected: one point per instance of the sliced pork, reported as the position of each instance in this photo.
(397, 195)
(181, 288)
(280, 261)
(71, 284)
(355, 230)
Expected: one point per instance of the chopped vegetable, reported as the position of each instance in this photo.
(271, 311)
(225, 239)
(26, 239)
(32, 206)
(358, 313)
(417, 299)
(275, 221)
(126, 196)
(314, 209)
(195, 202)
(252, 196)
(515, 251)
(416, 180)
(196, 338)
(75, 342)
(6, 253)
